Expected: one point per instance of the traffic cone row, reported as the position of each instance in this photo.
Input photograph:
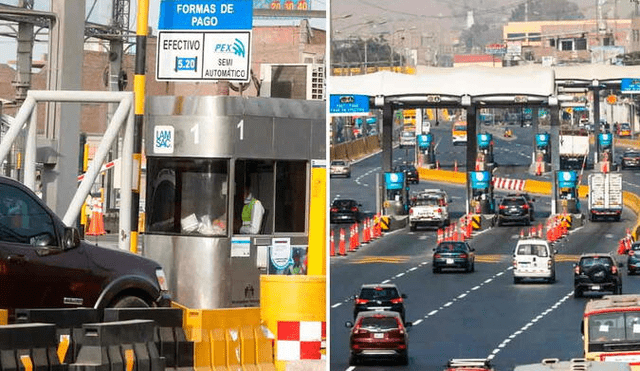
(624, 245)
(556, 229)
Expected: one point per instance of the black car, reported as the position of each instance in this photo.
(530, 201)
(44, 263)
(633, 260)
(597, 272)
(345, 210)
(410, 172)
(379, 297)
(514, 209)
(453, 254)
(630, 159)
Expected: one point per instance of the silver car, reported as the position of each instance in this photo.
(340, 167)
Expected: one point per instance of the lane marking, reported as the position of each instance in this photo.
(336, 305)
(417, 322)
(528, 325)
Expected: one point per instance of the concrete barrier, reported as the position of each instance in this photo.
(4, 316)
(228, 339)
(68, 323)
(123, 345)
(170, 337)
(443, 176)
(29, 347)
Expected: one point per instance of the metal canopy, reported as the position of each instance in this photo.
(446, 86)
(578, 75)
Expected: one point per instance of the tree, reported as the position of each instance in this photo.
(546, 10)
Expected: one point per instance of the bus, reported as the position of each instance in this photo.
(611, 329)
(459, 133)
(409, 118)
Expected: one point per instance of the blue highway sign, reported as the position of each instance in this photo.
(630, 86)
(206, 15)
(348, 104)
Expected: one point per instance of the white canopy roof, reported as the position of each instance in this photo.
(473, 81)
(532, 80)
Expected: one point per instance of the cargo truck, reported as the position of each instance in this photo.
(574, 149)
(605, 195)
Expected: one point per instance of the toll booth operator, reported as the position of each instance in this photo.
(252, 213)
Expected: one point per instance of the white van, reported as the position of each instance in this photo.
(534, 258)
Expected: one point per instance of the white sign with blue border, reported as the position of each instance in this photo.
(630, 86)
(349, 104)
(206, 15)
(198, 56)
(206, 40)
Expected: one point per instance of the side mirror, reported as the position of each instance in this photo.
(404, 296)
(348, 324)
(434, 249)
(71, 238)
(555, 251)
(408, 324)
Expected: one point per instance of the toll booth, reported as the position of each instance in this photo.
(542, 154)
(568, 192)
(605, 157)
(482, 201)
(396, 193)
(542, 148)
(484, 156)
(201, 153)
(426, 156)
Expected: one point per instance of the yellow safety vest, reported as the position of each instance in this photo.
(246, 211)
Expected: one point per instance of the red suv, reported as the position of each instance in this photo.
(379, 335)
(44, 264)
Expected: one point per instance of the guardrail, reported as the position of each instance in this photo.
(356, 149)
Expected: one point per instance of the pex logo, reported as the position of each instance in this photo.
(236, 48)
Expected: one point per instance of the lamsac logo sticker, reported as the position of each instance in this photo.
(163, 139)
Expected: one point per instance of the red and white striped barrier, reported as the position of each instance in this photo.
(299, 340)
(104, 168)
(509, 184)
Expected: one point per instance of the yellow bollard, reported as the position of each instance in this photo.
(297, 322)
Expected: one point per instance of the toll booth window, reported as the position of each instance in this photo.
(187, 196)
(281, 189)
(291, 192)
(23, 220)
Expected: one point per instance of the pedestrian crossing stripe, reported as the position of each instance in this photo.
(382, 259)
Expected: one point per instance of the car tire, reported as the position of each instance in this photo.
(353, 360)
(516, 280)
(473, 266)
(130, 302)
(412, 227)
(499, 222)
(552, 279)
(404, 359)
(436, 270)
(618, 290)
(577, 292)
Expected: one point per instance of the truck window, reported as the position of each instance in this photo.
(21, 217)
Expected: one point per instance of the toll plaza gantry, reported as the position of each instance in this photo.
(464, 88)
(595, 78)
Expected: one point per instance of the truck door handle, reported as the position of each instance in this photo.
(16, 259)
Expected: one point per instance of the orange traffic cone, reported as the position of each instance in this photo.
(96, 227)
(333, 246)
(342, 246)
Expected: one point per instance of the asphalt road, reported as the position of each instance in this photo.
(469, 315)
